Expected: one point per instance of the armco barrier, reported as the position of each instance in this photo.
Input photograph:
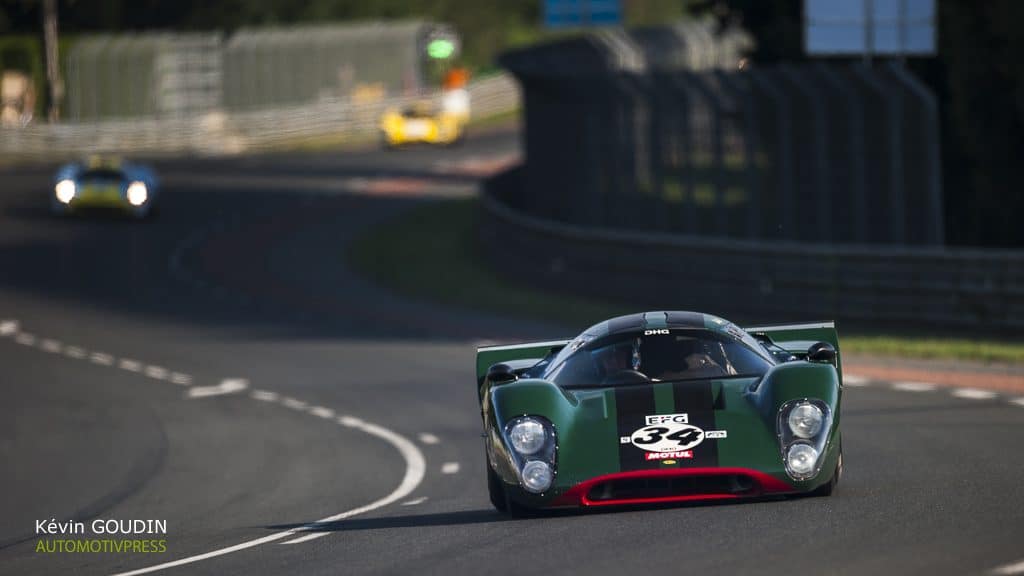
(754, 280)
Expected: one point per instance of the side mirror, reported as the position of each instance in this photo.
(501, 373)
(822, 352)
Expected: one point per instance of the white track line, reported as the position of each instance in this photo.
(293, 403)
(428, 438)
(179, 378)
(1017, 401)
(226, 386)
(450, 468)
(1017, 568)
(321, 412)
(415, 468)
(101, 358)
(25, 339)
(350, 421)
(130, 365)
(263, 396)
(50, 345)
(412, 502)
(855, 380)
(75, 352)
(157, 372)
(913, 386)
(8, 327)
(974, 394)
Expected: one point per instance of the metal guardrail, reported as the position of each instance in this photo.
(890, 286)
(225, 132)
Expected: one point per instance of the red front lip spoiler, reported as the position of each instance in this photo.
(763, 484)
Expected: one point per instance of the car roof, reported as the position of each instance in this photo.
(100, 162)
(674, 319)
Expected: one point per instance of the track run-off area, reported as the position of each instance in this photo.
(220, 368)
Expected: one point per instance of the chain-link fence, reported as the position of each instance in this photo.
(221, 132)
(266, 67)
(172, 75)
(671, 130)
(147, 75)
(160, 93)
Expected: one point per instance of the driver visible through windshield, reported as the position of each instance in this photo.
(661, 356)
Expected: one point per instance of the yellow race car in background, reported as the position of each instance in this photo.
(421, 122)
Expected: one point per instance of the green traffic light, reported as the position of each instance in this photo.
(441, 48)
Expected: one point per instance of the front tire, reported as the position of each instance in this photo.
(496, 491)
(500, 498)
(829, 487)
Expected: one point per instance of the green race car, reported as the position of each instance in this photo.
(662, 407)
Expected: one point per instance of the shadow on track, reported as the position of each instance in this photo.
(491, 516)
(460, 518)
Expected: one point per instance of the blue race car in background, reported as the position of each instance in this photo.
(104, 183)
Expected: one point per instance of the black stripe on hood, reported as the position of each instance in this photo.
(632, 404)
(696, 399)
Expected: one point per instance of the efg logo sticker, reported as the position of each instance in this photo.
(670, 436)
(663, 418)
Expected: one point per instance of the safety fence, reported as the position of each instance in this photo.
(226, 132)
(161, 74)
(642, 133)
(890, 287)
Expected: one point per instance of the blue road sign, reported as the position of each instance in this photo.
(577, 13)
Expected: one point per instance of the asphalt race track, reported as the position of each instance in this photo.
(219, 368)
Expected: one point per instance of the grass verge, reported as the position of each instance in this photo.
(444, 265)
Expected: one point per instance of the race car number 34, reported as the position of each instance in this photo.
(667, 437)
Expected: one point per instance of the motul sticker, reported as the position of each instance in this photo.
(668, 455)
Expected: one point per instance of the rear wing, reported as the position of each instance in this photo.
(488, 356)
(797, 338)
(793, 337)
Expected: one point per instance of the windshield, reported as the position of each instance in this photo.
(102, 174)
(657, 356)
(418, 111)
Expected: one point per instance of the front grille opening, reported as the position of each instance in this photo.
(667, 487)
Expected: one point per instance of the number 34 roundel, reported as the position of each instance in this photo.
(671, 437)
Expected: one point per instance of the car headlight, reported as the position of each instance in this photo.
(527, 436)
(137, 193)
(804, 426)
(805, 420)
(537, 476)
(801, 460)
(65, 191)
